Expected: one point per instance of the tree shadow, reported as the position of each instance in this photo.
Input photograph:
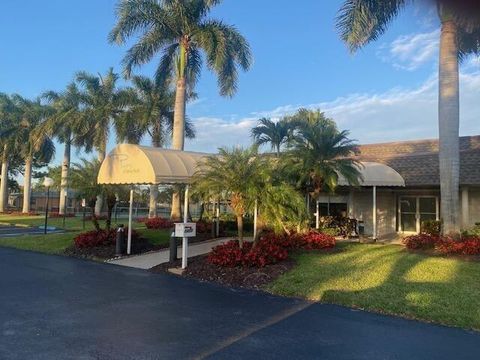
(411, 285)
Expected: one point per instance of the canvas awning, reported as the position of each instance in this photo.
(142, 165)
(376, 174)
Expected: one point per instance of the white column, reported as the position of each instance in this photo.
(465, 209)
(130, 213)
(217, 224)
(350, 204)
(185, 239)
(374, 214)
(317, 216)
(255, 218)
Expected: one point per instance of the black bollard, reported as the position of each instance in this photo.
(120, 241)
(173, 247)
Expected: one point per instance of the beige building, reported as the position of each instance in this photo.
(402, 209)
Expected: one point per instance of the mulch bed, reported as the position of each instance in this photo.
(107, 252)
(140, 246)
(236, 277)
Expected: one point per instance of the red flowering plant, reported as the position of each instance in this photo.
(96, 238)
(421, 241)
(158, 223)
(465, 246)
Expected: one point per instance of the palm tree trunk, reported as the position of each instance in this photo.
(448, 121)
(102, 153)
(64, 181)
(27, 185)
(178, 140)
(240, 230)
(4, 180)
(152, 211)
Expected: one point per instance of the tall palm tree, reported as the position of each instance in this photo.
(362, 21)
(33, 145)
(64, 123)
(102, 105)
(274, 133)
(180, 30)
(7, 142)
(319, 153)
(151, 114)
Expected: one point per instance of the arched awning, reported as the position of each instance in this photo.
(376, 174)
(141, 165)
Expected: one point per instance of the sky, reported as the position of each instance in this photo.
(385, 92)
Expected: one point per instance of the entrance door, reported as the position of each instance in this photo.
(416, 209)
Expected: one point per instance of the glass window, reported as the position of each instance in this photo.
(336, 209)
(428, 205)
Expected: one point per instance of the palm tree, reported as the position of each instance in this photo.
(232, 175)
(7, 142)
(151, 114)
(33, 145)
(102, 104)
(318, 153)
(180, 30)
(64, 123)
(274, 133)
(362, 21)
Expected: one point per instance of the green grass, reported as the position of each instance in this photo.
(388, 279)
(49, 244)
(57, 243)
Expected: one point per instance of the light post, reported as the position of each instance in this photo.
(48, 182)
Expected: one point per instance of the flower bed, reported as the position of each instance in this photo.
(99, 238)
(445, 245)
(158, 223)
(270, 249)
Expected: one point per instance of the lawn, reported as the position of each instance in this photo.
(388, 279)
(57, 243)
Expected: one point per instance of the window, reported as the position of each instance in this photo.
(333, 209)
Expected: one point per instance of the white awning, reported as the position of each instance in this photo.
(133, 164)
(376, 174)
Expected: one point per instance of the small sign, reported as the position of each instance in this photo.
(185, 230)
(84, 203)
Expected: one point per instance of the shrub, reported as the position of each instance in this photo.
(158, 223)
(99, 238)
(266, 252)
(431, 227)
(473, 232)
(420, 241)
(466, 246)
(270, 249)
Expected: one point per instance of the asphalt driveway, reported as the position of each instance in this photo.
(61, 308)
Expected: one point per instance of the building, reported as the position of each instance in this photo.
(402, 209)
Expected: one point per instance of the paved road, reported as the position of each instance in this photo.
(61, 308)
(12, 231)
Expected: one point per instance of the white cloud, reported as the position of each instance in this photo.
(398, 114)
(409, 52)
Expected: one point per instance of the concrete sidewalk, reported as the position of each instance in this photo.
(149, 260)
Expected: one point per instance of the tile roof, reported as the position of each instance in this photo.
(417, 161)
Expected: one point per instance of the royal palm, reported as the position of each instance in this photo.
(361, 21)
(103, 103)
(180, 33)
(64, 123)
(151, 114)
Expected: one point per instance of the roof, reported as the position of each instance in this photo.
(130, 164)
(376, 174)
(417, 161)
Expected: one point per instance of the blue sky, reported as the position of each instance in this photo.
(386, 92)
